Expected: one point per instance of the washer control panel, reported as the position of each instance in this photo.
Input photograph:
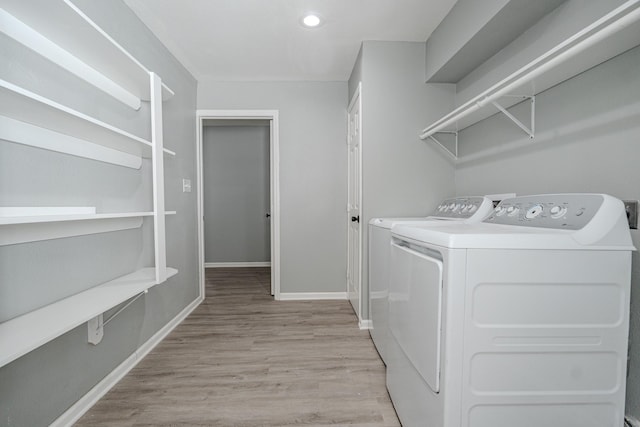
(461, 207)
(564, 211)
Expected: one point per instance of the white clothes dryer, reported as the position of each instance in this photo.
(520, 320)
(460, 209)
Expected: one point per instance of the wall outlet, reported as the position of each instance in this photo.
(631, 206)
(186, 186)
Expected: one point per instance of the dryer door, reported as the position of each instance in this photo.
(415, 308)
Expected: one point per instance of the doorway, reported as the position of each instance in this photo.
(250, 121)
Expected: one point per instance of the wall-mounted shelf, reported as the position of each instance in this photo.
(25, 333)
(613, 34)
(23, 225)
(69, 38)
(20, 108)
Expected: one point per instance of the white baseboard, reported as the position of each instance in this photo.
(304, 296)
(236, 264)
(78, 409)
(365, 324)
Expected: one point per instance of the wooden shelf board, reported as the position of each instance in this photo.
(29, 331)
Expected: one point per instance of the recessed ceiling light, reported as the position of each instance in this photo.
(311, 21)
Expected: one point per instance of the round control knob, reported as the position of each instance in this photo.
(534, 211)
(557, 211)
(473, 208)
(457, 206)
(452, 205)
(500, 210)
(512, 211)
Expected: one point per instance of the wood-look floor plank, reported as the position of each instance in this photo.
(242, 359)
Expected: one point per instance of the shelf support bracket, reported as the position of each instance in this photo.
(454, 154)
(96, 325)
(528, 130)
(95, 330)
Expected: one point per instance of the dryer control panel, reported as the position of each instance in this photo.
(462, 208)
(563, 211)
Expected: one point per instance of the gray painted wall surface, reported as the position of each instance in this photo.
(40, 386)
(463, 21)
(236, 193)
(586, 141)
(313, 173)
(402, 175)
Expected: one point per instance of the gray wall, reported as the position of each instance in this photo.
(402, 175)
(586, 141)
(40, 386)
(313, 173)
(236, 193)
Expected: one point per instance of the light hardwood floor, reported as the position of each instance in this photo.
(243, 359)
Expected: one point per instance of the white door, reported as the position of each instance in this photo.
(354, 260)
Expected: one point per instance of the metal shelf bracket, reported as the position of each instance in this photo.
(528, 130)
(454, 154)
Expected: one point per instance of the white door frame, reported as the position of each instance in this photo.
(357, 97)
(274, 173)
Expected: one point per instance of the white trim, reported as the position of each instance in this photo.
(236, 264)
(78, 409)
(365, 324)
(357, 96)
(308, 296)
(274, 155)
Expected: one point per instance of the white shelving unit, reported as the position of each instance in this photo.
(67, 37)
(37, 226)
(612, 34)
(31, 119)
(25, 333)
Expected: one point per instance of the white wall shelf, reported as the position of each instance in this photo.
(25, 333)
(76, 131)
(607, 37)
(38, 226)
(69, 38)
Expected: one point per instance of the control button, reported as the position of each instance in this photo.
(534, 211)
(457, 206)
(473, 208)
(558, 211)
(452, 205)
(500, 210)
(512, 211)
(580, 212)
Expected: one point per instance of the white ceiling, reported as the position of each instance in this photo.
(231, 40)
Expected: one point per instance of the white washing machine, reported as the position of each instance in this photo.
(465, 209)
(520, 320)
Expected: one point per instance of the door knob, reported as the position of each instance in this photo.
(355, 218)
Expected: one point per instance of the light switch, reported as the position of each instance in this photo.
(186, 186)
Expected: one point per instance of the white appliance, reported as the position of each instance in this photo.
(465, 209)
(520, 320)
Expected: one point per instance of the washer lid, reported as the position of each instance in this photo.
(534, 222)
(465, 209)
